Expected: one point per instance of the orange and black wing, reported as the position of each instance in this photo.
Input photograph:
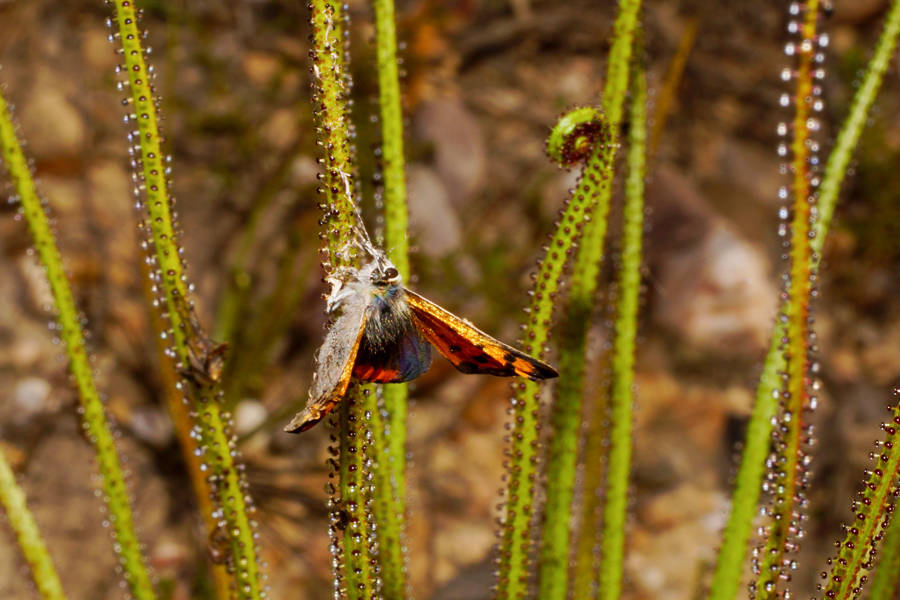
(334, 365)
(470, 349)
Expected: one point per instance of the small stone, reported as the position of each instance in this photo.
(260, 67)
(96, 50)
(31, 396)
(169, 554)
(843, 364)
(304, 171)
(151, 425)
(24, 353)
(248, 415)
(432, 218)
(460, 543)
(713, 286)
(459, 147)
(281, 128)
(51, 123)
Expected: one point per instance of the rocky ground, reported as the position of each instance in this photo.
(485, 81)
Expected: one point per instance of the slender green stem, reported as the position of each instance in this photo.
(93, 415)
(350, 527)
(226, 481)
(789, 477)
(566, 410)
(22, 522)
(886, 581)
(353, 510)
(562, 455)
(179, 412)
(583, 133)
(588, 208)
(848, 571)
(595, 459)
(390, 487)
(395, 223)
(622, 398)
(390, 472)
(332, 128)
(729, 566)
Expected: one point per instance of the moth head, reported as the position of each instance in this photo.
(385, 273)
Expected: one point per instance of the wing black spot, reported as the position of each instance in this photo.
(538, 371)
(509, 357)
(453, 349)
(468, 367)
(504, 371)
(481, 358)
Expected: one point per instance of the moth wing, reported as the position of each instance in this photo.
(470, 349)
(334, 364)
(405, 359)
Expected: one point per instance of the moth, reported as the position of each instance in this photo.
(218, 548)
(206, 357)
(383, 332)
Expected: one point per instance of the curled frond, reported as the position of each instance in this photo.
(576, 134)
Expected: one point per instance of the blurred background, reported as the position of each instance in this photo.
(484, 81)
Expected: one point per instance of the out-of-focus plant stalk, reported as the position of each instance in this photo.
(179, 412)
(93, 414)
(12, 498)
(789, 477)
(872, 511)
(595, 458)
(729, 565)
(390, 427)
(886, 581)
(566, 410)
(581, 134)
(227, 485)
(622, 361)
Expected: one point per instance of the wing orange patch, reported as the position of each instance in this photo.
(376, 375)
(470, 349)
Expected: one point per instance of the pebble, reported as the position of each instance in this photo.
(31, 396)
(248, 415)
(51, 123)
(260, 67)
(281, 128)
(460, 156)
(151, 425)
(433, 220)
(712, 286)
